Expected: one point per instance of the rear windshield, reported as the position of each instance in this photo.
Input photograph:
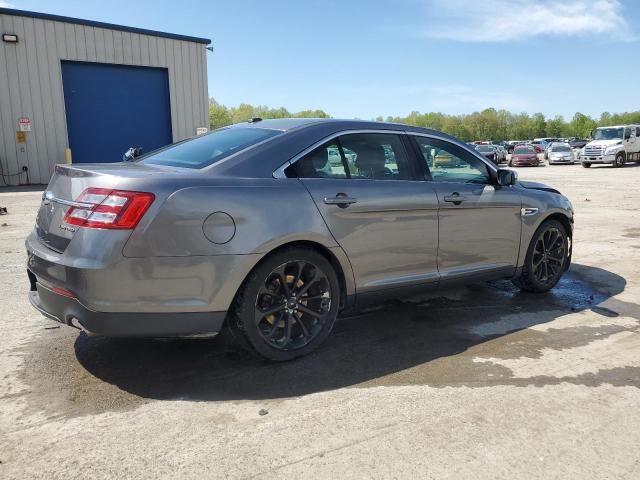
(484, 148)
(523, 150)
(205, 150)
(561, 148)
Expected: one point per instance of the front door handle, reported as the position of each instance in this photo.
(341, 199)
(454, 198)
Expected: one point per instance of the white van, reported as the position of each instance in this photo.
(613, 145)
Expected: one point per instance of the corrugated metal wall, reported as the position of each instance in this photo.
(31, 84)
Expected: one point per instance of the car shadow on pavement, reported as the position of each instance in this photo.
(424, 341)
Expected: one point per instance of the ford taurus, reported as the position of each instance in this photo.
(272, 228)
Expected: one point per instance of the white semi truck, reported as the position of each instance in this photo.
(613, 145)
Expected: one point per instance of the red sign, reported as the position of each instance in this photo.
(24, 124)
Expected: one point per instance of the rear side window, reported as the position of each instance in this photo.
(323, 162)
(205, 150)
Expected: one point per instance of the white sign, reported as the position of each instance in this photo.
(201, 130)
(24, 124)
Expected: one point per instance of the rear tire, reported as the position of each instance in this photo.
(546, 258)
(287, 306)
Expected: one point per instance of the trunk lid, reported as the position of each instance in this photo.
(66, 185)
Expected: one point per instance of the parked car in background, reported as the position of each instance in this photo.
(250, 228)
(524, 156)
(501, 153)
(576, 142)
(538, 145)
(615, 145)
(511, 144)
(489, 151)
(560, 152)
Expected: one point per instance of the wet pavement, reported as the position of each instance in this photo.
(449, 385)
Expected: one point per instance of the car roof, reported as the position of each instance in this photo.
(288, 124)
(299, 134)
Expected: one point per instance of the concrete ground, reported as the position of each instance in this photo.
(484, 382)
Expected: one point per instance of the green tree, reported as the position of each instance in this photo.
(489, 124)
(219, 115)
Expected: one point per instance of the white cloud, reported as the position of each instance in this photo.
(509, 20)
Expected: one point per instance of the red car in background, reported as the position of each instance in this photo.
(538, 146)
(524, 156)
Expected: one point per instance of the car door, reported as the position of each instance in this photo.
(384, 217)
(479, 222)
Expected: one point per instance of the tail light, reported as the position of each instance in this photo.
(106, 208)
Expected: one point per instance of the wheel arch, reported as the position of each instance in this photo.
(561, 217)
(336, 257)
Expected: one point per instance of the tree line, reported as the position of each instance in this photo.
(489, 124)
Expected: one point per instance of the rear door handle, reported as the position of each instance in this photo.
(455, 198)
(341, 199)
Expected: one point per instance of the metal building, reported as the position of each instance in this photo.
(84, 91)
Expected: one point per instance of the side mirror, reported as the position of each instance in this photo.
(506, 177)
(627, 135)
(132, 153)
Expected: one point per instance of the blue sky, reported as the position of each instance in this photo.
(363, 58)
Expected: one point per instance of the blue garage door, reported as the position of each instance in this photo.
(113, 107)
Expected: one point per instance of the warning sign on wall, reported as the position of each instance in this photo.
(21, 137)
(24, 124)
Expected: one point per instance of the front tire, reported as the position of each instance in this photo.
(619, 161)
(287, 306)
(586, 165)
(546, 258)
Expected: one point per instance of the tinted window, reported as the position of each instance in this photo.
(323, 162)
(208, 149)
(376, 156)
(450, 163)
(523, 150)
(637, 131)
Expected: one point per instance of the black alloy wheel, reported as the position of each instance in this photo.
(292, 305)
(546, 258)
(287, 306)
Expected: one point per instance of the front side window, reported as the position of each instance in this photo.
(208, 149)
(450, 163)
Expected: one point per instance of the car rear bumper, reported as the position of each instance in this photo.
(556, 161)
(70, 311)
(525, 163)
(110, 282)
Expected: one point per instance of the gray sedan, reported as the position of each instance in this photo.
(272, 228)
